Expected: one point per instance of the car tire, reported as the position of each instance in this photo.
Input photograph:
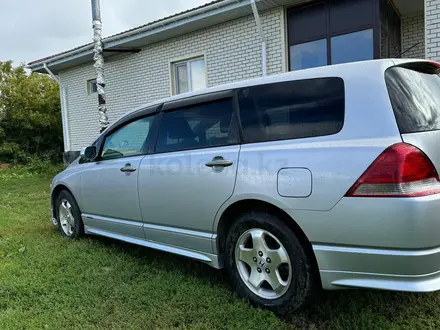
(69, 216)
(292, 291)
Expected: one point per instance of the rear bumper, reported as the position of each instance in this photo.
(398, 270)
(381, 243)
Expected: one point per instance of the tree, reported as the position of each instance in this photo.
(30, 116)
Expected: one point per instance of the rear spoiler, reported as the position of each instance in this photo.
(429, 67)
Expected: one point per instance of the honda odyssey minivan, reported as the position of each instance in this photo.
(320, 178)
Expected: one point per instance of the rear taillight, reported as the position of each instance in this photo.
(401, 170)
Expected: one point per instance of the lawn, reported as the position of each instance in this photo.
(47, 282)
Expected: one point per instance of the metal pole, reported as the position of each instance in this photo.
(99, 64)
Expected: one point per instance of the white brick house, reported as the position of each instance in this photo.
(220, 43)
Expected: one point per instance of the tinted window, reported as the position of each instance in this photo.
(357, 46)
(415, 97)
(350, 14)
(292, 110)
(307, 23)
(207, 125)
(308, 55)
(128, 140)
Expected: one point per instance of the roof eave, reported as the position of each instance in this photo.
(152, 32)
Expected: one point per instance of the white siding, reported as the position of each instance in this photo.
(232, 52)
(413, 32)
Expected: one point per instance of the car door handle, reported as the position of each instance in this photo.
(219, 162)
(128, 169)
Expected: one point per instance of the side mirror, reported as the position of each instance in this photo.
(89, 153)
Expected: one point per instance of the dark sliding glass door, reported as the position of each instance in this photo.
(390, 29)
(331, 32)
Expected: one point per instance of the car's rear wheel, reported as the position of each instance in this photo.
(69, 216)
(267, 263)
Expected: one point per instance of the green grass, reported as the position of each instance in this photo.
(47, 282)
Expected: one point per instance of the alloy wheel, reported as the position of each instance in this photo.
(263, 263)
(67, 220)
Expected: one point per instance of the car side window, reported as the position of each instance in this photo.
(128, 140)
(292, 110)
(200, 126)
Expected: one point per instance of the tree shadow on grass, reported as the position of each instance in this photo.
(347, 309)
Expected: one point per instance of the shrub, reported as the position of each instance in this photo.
(34, 168)
(30, 117)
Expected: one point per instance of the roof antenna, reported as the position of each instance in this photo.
(406, 51)
(99, 64)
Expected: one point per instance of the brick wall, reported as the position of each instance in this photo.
(232, 52)
(432, 12)
(413, 31)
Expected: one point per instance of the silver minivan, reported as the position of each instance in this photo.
(320, 178)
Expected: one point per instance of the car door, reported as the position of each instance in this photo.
(109, 186)
(191, 174)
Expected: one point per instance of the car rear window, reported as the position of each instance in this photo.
(415, 96)
(292, 110)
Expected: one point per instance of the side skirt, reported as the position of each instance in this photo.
(132, 234)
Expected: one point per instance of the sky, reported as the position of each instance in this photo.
(33, 29)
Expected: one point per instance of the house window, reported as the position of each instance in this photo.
(92, 87)
(356, 46)
(330, 32)
(189, 75)
(308, 55)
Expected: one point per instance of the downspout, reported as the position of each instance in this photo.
(262, 37)
(63, 98)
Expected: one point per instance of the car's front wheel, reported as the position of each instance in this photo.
(69, 216)
(267, 263)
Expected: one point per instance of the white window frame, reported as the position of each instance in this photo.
(187, 61)
(90, 83)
